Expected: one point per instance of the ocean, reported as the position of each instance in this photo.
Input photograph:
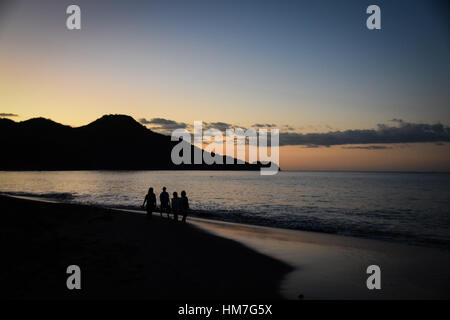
(411, 208)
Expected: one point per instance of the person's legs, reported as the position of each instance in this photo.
(164, 209)
(149, 212)
(184, 218)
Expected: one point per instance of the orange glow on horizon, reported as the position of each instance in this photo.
(398, 157)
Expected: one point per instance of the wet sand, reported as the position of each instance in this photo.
(334, 267)
(124, 255)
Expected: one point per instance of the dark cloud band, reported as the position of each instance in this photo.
(8, 115)
(404, 132)
(163, 124)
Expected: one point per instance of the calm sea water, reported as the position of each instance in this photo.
(405, 207)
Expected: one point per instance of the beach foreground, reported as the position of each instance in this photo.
(124, 255)
(328, 266)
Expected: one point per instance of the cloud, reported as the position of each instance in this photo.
(156, 121)
(162, 124)
(166, 126)
(398, 132)
(312, 146)
(402, 132)
(261, 125)
(287, 127)
(222, 126)
(367, 147)
(400, 121)
(8, 115)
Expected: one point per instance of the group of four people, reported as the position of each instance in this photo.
(178, 205)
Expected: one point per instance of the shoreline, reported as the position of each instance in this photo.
(124, 256)
(325, 266)
(314, 236)
(328, 266)
(206, 216)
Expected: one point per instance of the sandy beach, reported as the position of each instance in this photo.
(123, 255)
(330, 266)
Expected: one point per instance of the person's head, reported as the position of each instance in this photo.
(175, 194)
(150, 190)
(183, 193)
(164, 188)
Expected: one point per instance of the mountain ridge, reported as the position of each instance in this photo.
(111, 142)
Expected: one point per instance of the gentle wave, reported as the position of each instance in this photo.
(297, 222)
(63, 196)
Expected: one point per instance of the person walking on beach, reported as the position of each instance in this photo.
(175, 206)
(150, 202)
(184, 205)
(165, 202)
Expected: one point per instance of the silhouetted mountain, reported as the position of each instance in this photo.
(113, 142)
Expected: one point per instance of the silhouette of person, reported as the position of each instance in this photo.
(165, 202)
(184, 205)
(175, 206)
(150, 202)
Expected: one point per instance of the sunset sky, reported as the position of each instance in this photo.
(301, 66)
